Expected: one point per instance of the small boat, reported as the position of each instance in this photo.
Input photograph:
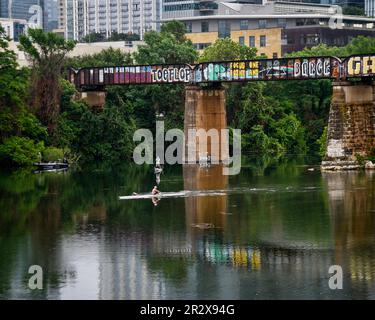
(160, 195)
(44, 166)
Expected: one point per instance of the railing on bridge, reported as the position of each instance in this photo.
(324, 67)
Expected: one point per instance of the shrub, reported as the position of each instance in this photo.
(52, 154)
(19, 151)
(322, 142)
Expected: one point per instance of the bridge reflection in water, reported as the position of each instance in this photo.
(211, 213)
(352, 212)
(205, 210)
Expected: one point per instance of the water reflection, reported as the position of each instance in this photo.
(202, 212)
(352, 211)
(273, 236)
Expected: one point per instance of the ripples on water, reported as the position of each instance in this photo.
(265, 234)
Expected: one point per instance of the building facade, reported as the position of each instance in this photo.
(274, 28)
(14, 28)
(51, 14)
(83, 17)
(30, 10)
(370, 8)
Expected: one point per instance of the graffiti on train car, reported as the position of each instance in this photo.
(228, 71)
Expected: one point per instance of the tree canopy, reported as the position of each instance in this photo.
(227, 49)
(169, 46)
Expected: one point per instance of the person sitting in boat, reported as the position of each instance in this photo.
(155, 191)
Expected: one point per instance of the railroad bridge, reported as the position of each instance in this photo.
(351, 125)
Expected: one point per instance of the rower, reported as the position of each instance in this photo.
(155, 191)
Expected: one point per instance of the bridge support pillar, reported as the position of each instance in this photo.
(351, 125)
(205, 109)
(95, 99)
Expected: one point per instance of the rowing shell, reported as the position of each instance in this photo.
(181, 194)
(160, 195)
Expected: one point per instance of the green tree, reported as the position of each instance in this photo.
(47, 53)
(227, 50)
(353, 11)
(124, 37)
(106, 58)
(169, 46)
(20, 151)
(20, 130)
(94, 37)
(13, 81)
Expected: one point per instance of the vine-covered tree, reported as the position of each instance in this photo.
(47, 53)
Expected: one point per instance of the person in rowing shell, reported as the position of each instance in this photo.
(155, 191)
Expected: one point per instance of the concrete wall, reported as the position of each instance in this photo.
(273, 40)
(82, 49)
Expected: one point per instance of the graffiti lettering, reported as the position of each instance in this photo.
(171, 75)
(364, 65)
(249, 70)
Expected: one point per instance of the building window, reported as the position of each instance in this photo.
(241, 40)
(262, 41)
(252, 41)
(189, 27)
(244, 24)
(281, 23)
(224, 29)
(205, 26)
(202, 46)
(262, 23)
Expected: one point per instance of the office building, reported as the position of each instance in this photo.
(51, 14)
(29, 10)
(370, 8)
(274, 28)
(14, 28)
(83, 17)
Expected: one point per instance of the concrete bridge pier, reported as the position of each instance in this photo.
(205, 109)
(95, 99)
(351, 125)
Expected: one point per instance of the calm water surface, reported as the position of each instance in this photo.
(268, 233)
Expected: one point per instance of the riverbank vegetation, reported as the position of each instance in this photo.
(40, 119)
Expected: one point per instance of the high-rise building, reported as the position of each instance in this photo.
(51, 14)
(370, 8)
(84, 17)
(61, 15)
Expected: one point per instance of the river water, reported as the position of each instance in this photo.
(271, 232)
